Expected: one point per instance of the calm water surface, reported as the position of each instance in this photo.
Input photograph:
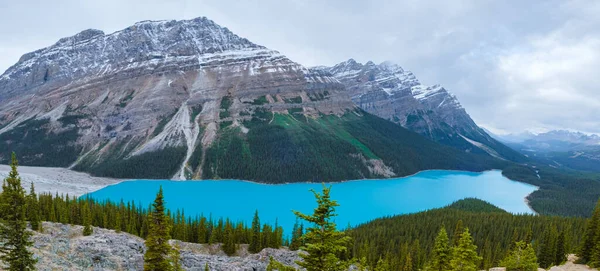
(360, 201)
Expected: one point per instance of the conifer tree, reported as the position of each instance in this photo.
(228, 239)
(382, 265)
(547, 249)
(176, 259)
(297, 233)
(323, 243)
(440, 256)
(157, 242)
(87, 220)
(13, 233)
(255, 241)
(33, 209)
(561, 249)
(206, 267)
(408, 263)
(458, 231)
(464, 255)
(521, 258)
(589, 237)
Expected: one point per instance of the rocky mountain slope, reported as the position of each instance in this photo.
(190, 99)
(393, 93)
(149, 87)
(62, 247)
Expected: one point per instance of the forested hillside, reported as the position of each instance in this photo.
(494, 233)
(294, 148)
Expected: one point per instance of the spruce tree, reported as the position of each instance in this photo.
(206, 267)
(589, 237)
(158, 250)
(547, 249)
(87, 219)
(323, 242)
(408, 263)
(464, 255)
(33, 209)
(176, 259)
(228, 239)
(458, 231)
(255, 241)
(382, 265)
(440, 256)
(521, 258)
(561, 249)
(15, 239)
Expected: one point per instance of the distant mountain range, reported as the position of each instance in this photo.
(190, 99)
(558, 148)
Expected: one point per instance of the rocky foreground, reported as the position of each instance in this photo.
(63, 247)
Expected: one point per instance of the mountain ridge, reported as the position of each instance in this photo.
(391, 92)
(172, 99)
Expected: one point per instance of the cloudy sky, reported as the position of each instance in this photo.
(514, 65)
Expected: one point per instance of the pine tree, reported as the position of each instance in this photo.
(87, 220)
(295, 242)
(176, 259)
(33, 209)
(255, 241)
(589, 237)
(323, 243)
(458, 230)
(157, 242)
(228, 239)
(382, 265)
(408, 263)
(464, 255)
(440, 256)
(13, 233)
(206, 267)
(521, 258)
(561, 250)
(547, 250)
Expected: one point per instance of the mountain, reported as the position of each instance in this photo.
(190, 99)
(395, 94)
(559, 148)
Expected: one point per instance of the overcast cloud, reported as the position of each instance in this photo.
(514, 65)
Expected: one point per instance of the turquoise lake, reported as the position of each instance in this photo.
(360, 201)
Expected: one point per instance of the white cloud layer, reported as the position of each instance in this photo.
(514, 65)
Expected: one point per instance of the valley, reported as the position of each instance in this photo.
(173, 145)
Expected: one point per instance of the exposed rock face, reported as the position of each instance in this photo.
(62, 247)
(154, 85)
(392, 93)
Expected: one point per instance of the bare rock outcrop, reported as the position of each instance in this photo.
(62, 247)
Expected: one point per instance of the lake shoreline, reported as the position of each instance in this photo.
(66, 181)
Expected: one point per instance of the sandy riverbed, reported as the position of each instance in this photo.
(58, 180)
